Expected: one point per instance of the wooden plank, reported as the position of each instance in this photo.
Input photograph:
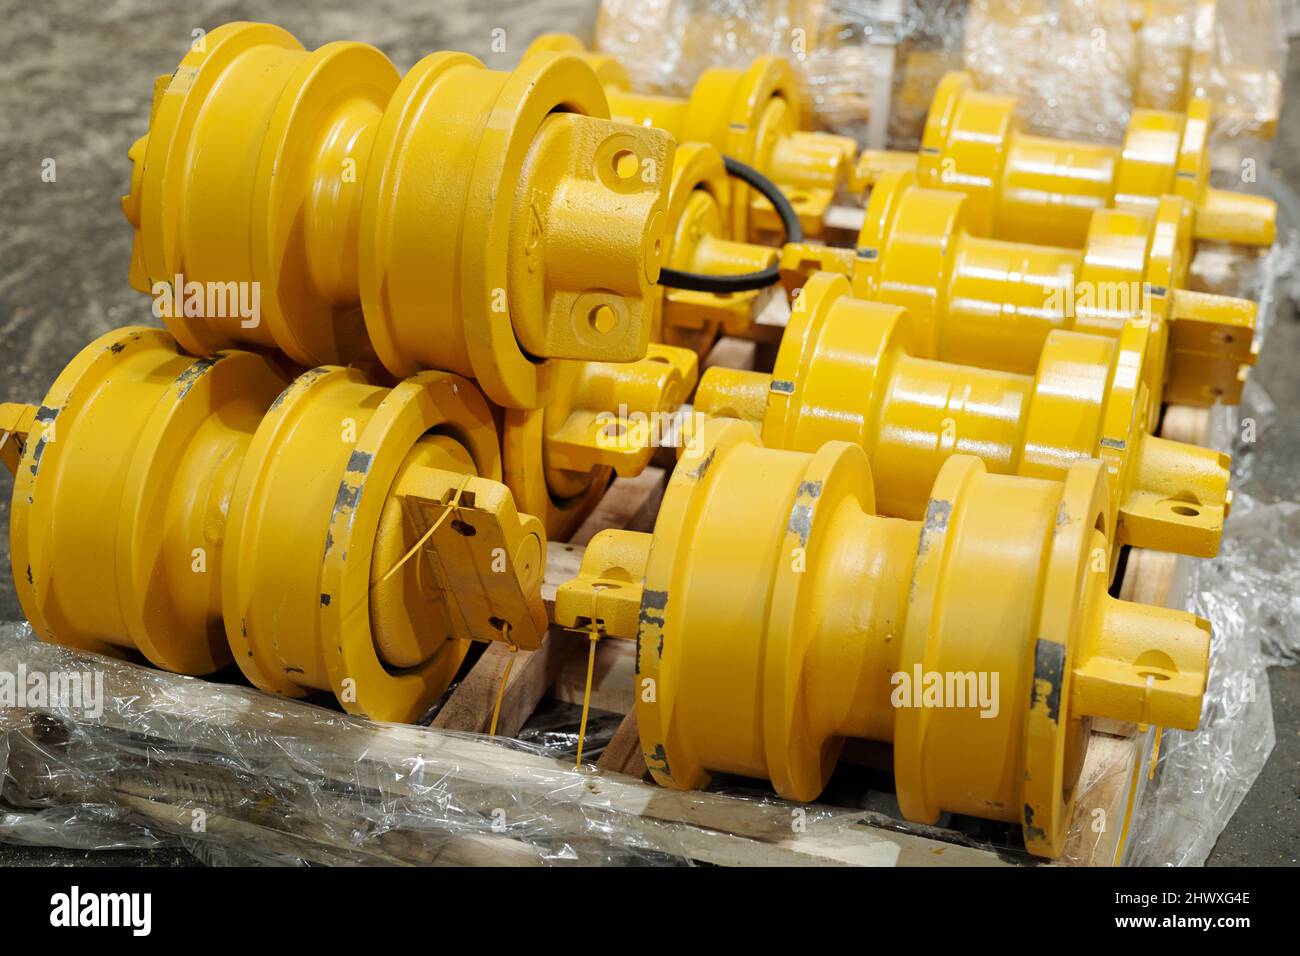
(613, 678)
(623, 752)
(730, 352)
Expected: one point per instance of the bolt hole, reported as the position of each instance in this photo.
(604, 586)
(602, 319)
(463, 529)
(1187, 511)
(1152, 675)
(626, 164)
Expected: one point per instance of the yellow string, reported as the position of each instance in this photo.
(586, 695)
(1155, 755)
(505, 676)
(452, 505)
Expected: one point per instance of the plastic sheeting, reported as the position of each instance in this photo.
(847, 53)
(152, 759)
(1080, 67)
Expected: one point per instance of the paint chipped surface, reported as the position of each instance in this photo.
(1032, 832)
(1117, 443)
(651, 617)
(299, 384)
(360, 461)
(657, 759)
(702, 469)
(937, 513)
(1049, 671)
(185, 381)
(1062, 517)
(46, 415)
(801, 514)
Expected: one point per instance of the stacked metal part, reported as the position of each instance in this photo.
(469, 279)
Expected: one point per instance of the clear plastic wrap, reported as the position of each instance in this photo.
(237, 776)
(852, 56)
(1040, 50)
(1251, 595)
(869, 67)
(1154, 56)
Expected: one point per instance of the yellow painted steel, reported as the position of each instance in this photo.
(993, 303)
(752, 115)
(701, 240)
(1035, 189)
(777, 616)
(196, 510)
(607, 418)
(848, 370)
(457, 218)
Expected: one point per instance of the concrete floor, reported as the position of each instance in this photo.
(75, 85)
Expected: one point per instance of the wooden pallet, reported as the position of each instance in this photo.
(1116, 761)
(193, 763)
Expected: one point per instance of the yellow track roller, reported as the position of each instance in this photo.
(606, 418)
(457, 218)
(848, 370)
(752, 115)
(992, 303)
(701, 241)
(1034, 189)
(775, 616)
(335, 534)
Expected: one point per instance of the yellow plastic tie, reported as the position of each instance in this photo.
(505, 676)
(452, 506)
(1155, 755)
(586, 693)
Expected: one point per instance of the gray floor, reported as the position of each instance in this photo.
(75, 83)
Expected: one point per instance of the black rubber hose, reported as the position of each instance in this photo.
(745, 281)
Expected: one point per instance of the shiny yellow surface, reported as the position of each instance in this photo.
(700, 240)
(457, 218)
(753, 115)
(848, 370)
(993, 303)
(327, 533)
(606, 418)
(774, 614)
(1035, 189)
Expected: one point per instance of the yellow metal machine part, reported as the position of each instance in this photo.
(701, 241)
(848, 370)
(776, 616)
(752, 115)
(332, 533)
(606, 418)
(1035, 189)
(993, 302)
(457, 218)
